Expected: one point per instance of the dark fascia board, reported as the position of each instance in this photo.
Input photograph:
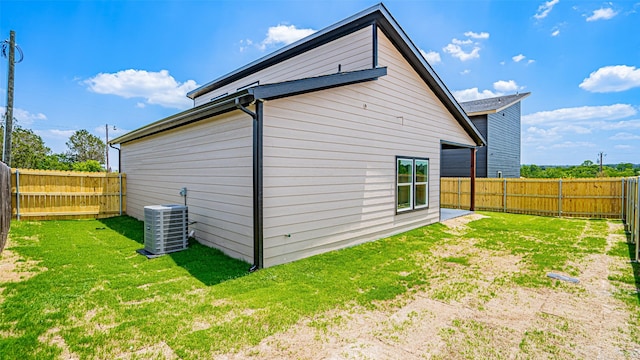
(301, 86)
(396, 34)
(217, 107)
(496, 110)
(319, 38)
(247, 96)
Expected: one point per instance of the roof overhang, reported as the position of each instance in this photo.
(247, 96)
(495, 109)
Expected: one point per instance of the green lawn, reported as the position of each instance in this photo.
(92, 293)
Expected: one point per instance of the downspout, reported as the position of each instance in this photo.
(258, 235)
(119, 157)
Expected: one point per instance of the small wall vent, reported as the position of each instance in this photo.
(165, 228)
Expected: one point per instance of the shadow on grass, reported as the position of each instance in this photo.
(635, 266)
(210, 266)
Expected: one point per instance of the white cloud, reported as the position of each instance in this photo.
(505, 86)
(572, 144)
(461, 42)
(432, 57)
(530, 61)
(140, 105)
(465, 72)
(607, 112)
(473, 94)
(545, 9)
(555, 32)
(457, 52)
(473, 35)
(518, 58)
(623, 147)
(22, 116)
(624, 136)
(625, 124)
(158, 88)
(612, 79)
(284, 34)
(602, 14)
(55, 133)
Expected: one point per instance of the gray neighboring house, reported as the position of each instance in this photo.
(498, 120)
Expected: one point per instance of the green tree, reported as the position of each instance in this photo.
(27, 149)
(84, 146)
(88, 166)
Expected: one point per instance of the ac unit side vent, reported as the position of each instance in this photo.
(165, 228)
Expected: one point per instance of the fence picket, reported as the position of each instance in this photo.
(49, 195)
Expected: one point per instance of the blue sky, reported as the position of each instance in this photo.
(129, 63)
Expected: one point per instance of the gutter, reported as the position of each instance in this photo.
(258, 214)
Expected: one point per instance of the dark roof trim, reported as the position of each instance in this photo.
(247, 96)
(354, 23)
(295, 87)
(445, 144)
(379, 17)
(492, 105)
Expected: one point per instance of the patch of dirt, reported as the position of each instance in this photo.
(458, 225)
(52, 337)
(580, 320)
(156, 351)
(14, 269)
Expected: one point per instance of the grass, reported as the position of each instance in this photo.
(93, 291)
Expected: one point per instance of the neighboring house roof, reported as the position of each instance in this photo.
(491, 105)
(376, 15)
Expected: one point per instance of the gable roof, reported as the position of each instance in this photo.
(491, 105)
(377, 15)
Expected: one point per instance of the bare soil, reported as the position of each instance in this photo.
(492, 320)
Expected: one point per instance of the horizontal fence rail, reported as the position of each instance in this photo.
(48, 195)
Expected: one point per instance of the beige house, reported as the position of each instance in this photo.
(329, 142)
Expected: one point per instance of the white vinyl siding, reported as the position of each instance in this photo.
(352, 52)
(330, 160)
(213, 159)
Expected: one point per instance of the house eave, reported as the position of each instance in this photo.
(247, 96)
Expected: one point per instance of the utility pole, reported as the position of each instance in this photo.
(8, 115)
(106, 145)
(600, 154)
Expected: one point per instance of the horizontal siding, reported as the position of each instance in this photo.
(352, 52)
(504, 142)
(329, 160)
(213, 159)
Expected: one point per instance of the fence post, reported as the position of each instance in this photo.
(636, 229)
(622, 200)
(504, 196)
(18, 194)
(560, 198)
(120, 183)
(459, 196)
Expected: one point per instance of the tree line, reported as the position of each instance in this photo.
(85, 151)
(588, 169)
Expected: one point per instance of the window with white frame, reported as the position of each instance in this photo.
(412, 179)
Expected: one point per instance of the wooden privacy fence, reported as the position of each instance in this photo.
(631, 216)
(48, 195)
(5, 204)
(590, 198)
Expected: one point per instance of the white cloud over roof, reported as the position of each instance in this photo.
(473, 94)
(157, 88)
(545, 9)
(602, 14)
(432, 57)
(457, 52)
(612, 79)
(475, 35)
(505, 86)
(284, 35)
